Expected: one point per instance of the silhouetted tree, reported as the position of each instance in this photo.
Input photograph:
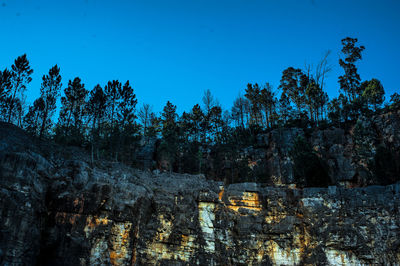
(315, 99)
(208, 103)
(285, 109)
(49, 92)
(126, 109)
(96, 108)
(33, 119)
(169, 144)
(268, 103)
(112, 90)
(217, 123)
(240, 110)
(197, 122)
(293, 84)
(5, 90)
(154, 128)
(128, 129)
(145, 114)
(69, 128)
(21, 72)
(350, 81)
(253, 95)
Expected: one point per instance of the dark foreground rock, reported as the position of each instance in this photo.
(56, 208)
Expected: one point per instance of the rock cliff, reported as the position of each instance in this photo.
(57, 208)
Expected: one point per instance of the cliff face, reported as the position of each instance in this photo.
(56, 208)
(348, 154)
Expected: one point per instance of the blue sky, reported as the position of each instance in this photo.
(174, 50)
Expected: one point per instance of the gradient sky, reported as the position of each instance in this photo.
(174, 50)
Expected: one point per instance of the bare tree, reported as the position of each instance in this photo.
(322, 69)
(145, 115)
(209, 101)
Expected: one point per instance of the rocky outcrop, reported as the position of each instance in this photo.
(57, 208)
(338, 148)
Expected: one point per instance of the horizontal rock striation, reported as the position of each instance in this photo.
(57, 208)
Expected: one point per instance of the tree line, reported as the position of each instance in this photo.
(107, 121)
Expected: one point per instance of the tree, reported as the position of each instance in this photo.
(334, 111)
(196, 118)
(154, 128)
(217, 122)
(126, 129)
(5, 89)
(373, 94)
(253, 95)
(49, 91)
(350, 81)
(208, 101)
(293, 83)
(395, 101)
(73, 103)
(21, 72)
(168, 118)
(322, 69)
(285, 109)
(33, 119)
(268, 102)
(240, 110)
(112, 90)
(96, 108)
(145, 114)
(126, 107)
(315, 99)
(169, 144)
(185, 127)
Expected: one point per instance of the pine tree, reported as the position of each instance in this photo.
(21, 72)
(170, 137)
(49, 92)
(126, 108)
(268, 103)
(197, 122)
(112, 90)
(33, 119)
(5, 90)
(129, 130)
(70, 123)
(253, 95)
(96, 108)
(216, 123)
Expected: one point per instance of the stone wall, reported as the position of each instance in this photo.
(56, 208)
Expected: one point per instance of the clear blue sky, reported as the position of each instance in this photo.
(174, 50)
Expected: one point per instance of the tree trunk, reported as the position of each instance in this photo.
(43, 122)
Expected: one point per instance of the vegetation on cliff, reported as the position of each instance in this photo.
(207, 139)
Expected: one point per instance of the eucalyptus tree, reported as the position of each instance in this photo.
(350, 80)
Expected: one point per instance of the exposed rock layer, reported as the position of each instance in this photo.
(58, 209)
